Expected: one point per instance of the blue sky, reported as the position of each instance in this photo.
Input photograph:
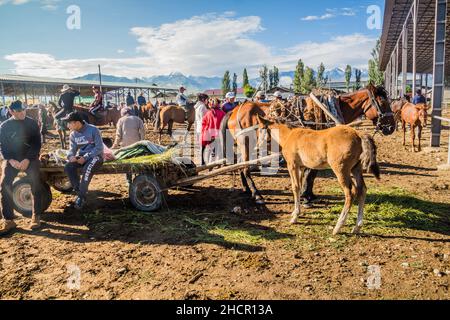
(199, 37)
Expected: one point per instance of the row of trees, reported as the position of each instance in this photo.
(305, 78)
(269, 79)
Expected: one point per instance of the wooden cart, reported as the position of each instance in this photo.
(148, 187)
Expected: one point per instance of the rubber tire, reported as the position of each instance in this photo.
(151, 187)
(24, 185)
(62, 189)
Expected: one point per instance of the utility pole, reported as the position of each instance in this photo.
(100, 78)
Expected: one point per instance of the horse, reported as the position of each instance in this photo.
(148, 112)
(60, 125)
(167, 115)
(109, 116)
(372, 102)
(396, 107)
(415, 116)
(342, 149)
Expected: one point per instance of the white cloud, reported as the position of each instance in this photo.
(337, 52)
(331, 13)
(202, 45)
(49, 5)
(120, 51)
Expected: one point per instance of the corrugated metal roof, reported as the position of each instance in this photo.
(84, 83)
(395, 15)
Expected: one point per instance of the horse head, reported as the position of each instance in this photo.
(423, 113)
(378, 109)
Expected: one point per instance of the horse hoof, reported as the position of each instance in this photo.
(356, 230)
(293, 221)
(307, 205)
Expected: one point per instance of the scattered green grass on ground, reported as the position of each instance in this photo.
(392, 211)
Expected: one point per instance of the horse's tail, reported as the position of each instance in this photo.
(223, 133)
(369, 156)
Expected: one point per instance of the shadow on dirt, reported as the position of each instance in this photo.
(189, 219)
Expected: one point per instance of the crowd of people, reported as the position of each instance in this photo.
(21, 142)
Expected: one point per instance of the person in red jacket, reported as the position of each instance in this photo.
(97, 105)
(211, 124)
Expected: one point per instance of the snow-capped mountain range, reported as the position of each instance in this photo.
(199, 83)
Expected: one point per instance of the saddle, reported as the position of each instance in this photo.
(188, 110)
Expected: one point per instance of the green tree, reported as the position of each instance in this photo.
(298, 76)
(348, 76)
(263, 75)
(320, 76)
(235, 86)
(276, 76)
(249, 91)
(226, 83)
(308, 81)
(358, 79)
(376, 76)
(245, 81)
(271, 79)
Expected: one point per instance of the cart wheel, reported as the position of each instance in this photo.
(22, 197)
(62, 185)
(146, 194)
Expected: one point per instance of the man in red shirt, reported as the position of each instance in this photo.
(97, 105)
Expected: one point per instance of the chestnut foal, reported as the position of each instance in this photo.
(344, 150)
(416, 116)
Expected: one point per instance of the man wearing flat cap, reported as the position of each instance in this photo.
(20, 145)
(85, 154)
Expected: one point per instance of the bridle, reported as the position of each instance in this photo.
(380, 114)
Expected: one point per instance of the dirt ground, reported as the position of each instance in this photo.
(196, 248)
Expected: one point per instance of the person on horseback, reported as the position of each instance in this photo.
(230, 103)
(66, 101)
(184, 102)
(86, 153)
(97, 105)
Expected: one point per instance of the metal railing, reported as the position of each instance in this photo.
(445, 120)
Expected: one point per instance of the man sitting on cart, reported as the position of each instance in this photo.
(86, 153)
(20, 145)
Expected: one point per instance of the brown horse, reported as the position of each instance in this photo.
(372, 101)
(342, 149)
(168, 115)
(60, 126)
(104, 118)
(416, 116)
(148, 113)
(396, 107)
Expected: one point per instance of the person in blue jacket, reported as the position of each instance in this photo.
(419, 98)
(86, 153)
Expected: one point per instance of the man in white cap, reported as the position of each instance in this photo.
(278, 96)
(230, 103)
(66, 101)
(260, 97)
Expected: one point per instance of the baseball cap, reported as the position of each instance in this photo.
(74, 116)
